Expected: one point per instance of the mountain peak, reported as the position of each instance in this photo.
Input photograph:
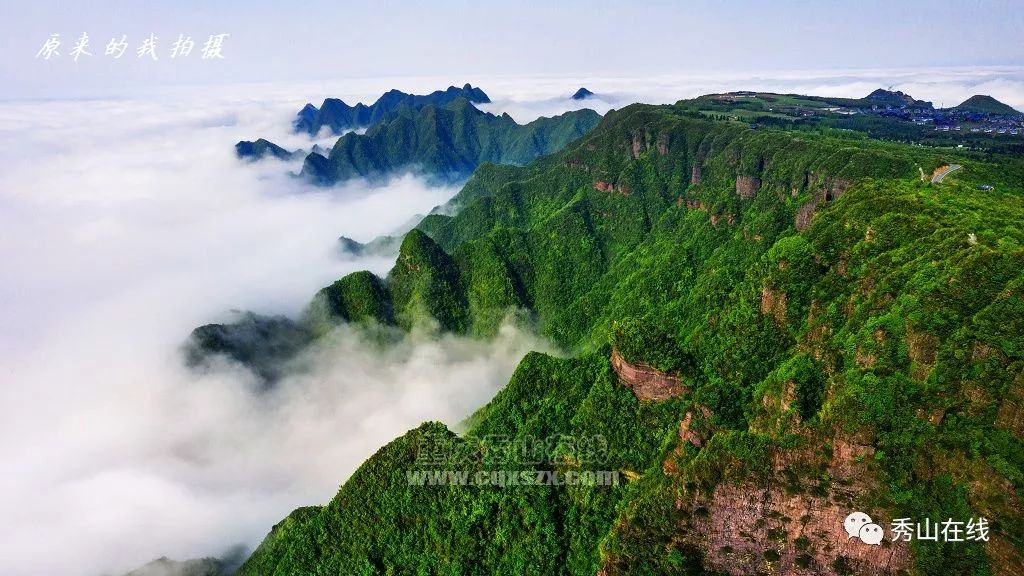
(894, 99)
(445, 142)
(339, 116)
(260, 148)
(985, 104)
(475, 95)
(582, 94)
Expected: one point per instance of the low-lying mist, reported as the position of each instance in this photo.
(126, 224)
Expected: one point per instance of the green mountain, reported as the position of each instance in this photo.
(881, 98)
(906, 124)
(358, 297)
(196, 567)
(260, 149)
(894, 99)
(267, 345)
(338, 116)
(447, 142)
(771, 329)
(982, 104)
(382, 246)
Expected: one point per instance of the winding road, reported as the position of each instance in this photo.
(938, 176)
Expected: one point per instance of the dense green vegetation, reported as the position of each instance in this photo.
(813, 289)
(651, 344)
(357, 297)
(445, 141)
(881, 115)
(426, 285)
(380, 524)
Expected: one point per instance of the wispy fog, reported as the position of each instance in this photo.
(126, 223)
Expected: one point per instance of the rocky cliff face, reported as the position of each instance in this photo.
(773, 303)
(695, 174)
(747, 186)
(784, 527)
(822, 191)
(753, 530)
(646, 382)
(1011, 409)
(602, 186)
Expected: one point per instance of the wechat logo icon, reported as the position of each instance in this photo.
(860, 525)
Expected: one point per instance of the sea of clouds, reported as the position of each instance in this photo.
(127, 222)
(125, 225)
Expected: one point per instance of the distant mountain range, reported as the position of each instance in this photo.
(443, 135)
(440, 135)
(882, 98)
(448, 142)
(897, 99)
(261, 148)
(339, 116)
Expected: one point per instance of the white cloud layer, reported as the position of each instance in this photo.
(126, 223)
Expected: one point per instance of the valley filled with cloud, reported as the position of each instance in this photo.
(128, 222)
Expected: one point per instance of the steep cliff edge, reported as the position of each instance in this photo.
(646, 382)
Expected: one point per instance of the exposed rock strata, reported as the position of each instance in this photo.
(747, 186)
(646, 382)
(803, 529)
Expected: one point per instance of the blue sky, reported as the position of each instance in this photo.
(282, 41)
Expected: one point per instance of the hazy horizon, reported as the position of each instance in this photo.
(472, 40)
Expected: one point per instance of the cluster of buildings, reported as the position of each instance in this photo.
(952, 120)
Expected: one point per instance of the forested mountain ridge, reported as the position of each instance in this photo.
(339, 116)
(849, 334)
(446, 142)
